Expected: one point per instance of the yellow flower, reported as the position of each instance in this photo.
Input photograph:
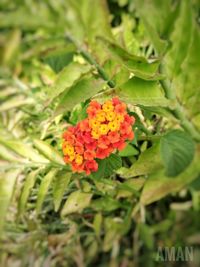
(119, 118)
(113, 125)
(108, 106)
(110, 115)
(69, 150)
(79, 159)
(101, 116)
(103, 129)
(94, 124)
(95, 134)
(71, 157)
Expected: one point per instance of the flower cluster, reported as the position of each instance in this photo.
(106, 129)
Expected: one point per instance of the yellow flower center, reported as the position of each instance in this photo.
(103, 129)
(110, 115)
(113, 126)
(95, 134)
(79, 159)
(101, 116)
(69, 150)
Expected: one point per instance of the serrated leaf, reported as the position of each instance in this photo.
(177, 151)
(82, 90)
(141, 92)
(107, 166)
(60, 184)
(67, 77)
(138, 65)
(28, 185)
(148, 162)
(43, 189)
(48, 151)
(128, 151)
(76, 202)
(159, 185)
(7, 183)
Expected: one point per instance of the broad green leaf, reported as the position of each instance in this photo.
(59, 59)
(76, 202)
(130, 187)
(96, 23)
(67, 77)
(106, 203)
(148, 162)
(82, 90)
(24, 150)
(48, 151)
(177, 151)
(159, 185)
(28, 185)
(179, 48)
(60, 184)
(141, 92)
(107, 166)
(138, 65)
(43, 189)
(7, 183)
(186, 84)
(128, 151)
(157, 17)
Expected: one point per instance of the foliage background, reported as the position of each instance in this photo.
(55, 56)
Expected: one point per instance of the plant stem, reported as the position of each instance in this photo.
(178, 112)
(93, 62)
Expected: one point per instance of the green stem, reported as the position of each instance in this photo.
(178, 112)
(93, 62)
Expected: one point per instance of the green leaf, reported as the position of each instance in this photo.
(82, 90)
(48, 151)
(128, 151)
(148, 162)
(186, 84)
(146, 235)
(107, 166)
(60, 184)
(138, 65)
(159, 185)
(177, 151)
(76, 202)
(179, 48)
(43, 189)
(67, 77)
(9, 155)
(57, 60)
(157, 17)
(24, 150)
(141, 92)
(106, 203)
(7, 183)
(28, 185)
(15, 102)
